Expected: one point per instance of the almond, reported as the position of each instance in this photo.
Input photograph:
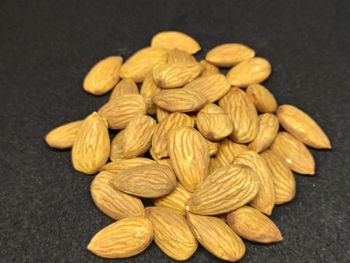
(165, 161)
(125, 86)
(120, 165)
(62, 137)
(178, 56)
(262, 98)
(116, 152)
(208, 68)
(148, 90)
(213, 147)
(161, 114)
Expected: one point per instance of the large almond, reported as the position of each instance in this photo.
(125, 86)
(148, 90)
(62, 137)
(262, 98)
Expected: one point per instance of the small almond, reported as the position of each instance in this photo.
(62, 137)
(116, 152)
(262, 98)
(165, 161)
(161, 113)
(125, 86)
(177, 56)
(208, 68)
(213, 147)
(148, 90)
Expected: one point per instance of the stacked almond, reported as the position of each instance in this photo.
(205, 147)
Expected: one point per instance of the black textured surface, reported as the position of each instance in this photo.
(46, 47)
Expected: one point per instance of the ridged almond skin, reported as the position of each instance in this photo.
(122, 239)
(116, 151)
(179, 56)
(295, 153)
(103, 76)
(148, 90)
(213, 123)
(229, 54)
(62, 137)
(91, 145)
(243, 115)
(217, 237)
(262, 98)
(161, 113)
(189, 156)
(251, 71)
(172, 233)
(225, 190)
(302, 127)
(120, 165)
(251, 224)
(142, 62)
(213, 147)
(213, 87)
(174, 39)
(208, 68)
(176, 200)
(120, 111)
(264, 201)
(147, 180)
(138, 136)
(124, 87)
(165, 161)
(175, 75)
(267, 131)
(282, 177)
(161, 133)
(112, 202)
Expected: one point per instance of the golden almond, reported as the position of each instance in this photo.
(295, 153)
(250, 224)
(302, 127)
(179, 56)
(262, 98)
(103, 76)
(116, 152)
(172, 233)
(120, 165)
(161, 114)
(189, 156)
(148, 90)
(243, 115)
(125, 86)
(91, 145)
(173, 39)
(62, 137)
(147, 180)
(251, 71)
(267, 131)
(139, 65)
(208, 68)
(225, 190)
(229, 54)
(124, 238)
(217, 237)
(264, 201)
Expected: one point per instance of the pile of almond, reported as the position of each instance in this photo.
(205, 147)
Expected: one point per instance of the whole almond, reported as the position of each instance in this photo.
(161, 113)
(262, 98)
(148, 180)
(250, 224)
(251, 71)
(112, 202)
(282, 177)
(172, 233)
(91, 145)
(124, 238)
(225, 190)
(62, 137)
(173, 39)
(229, 54)
(189, 156)
(117, 152)
(180, 56)
(302, 127)
(295, 153)
(103, 76)
(125, 86)
(243, 115)
(267, 131)
(217, 237)
(120, 165)
(264, 201)
(208, 68)
(120, 111)
(148, 90)
(142, 62)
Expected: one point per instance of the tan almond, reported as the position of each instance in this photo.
(112, 202)
(282, 177)
(213, 147)
(62, 137)
(251, 71)
(161, 114)
(103, 76)
(302, 127)
(264, 201)
(122, 239)
(180, 56)
(91, 145)
(262, 98)
(250, 224)
(120, 111)
(172, 233)
(217, 237)
(295, 153)
(229, 54)
(208, 68)
(120, 165)
(173, 39)
(189, 156)
(140, 64)
(125, 86)
(148, 90)
(267, 131)
(225, 190)
(243, 115)
(147, 180)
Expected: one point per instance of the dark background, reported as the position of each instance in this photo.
(46, 47)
